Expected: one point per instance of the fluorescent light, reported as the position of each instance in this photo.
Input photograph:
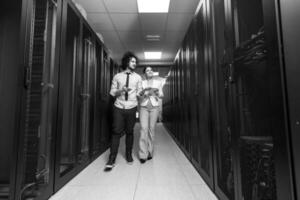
(152, 55)
(152, 36)
(153, 6)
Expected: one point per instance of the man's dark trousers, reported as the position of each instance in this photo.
(123, 120)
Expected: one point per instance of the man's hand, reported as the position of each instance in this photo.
(126, 89)
(123, 90)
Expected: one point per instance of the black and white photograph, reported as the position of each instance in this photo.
(149, 100)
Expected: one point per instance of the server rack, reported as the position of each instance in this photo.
(287, 13)
(37, 113)
(241, 148)
(52, 67)
(10, 77)
(86, 57)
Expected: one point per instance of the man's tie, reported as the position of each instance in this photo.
(127, 83)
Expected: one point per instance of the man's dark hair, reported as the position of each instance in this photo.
(126, 58)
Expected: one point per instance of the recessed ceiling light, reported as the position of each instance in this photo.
(152, 36)
(152, 55)
(153, 6)
(155, 73)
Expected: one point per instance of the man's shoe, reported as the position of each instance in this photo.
(109, 165)
(129, 158)
(142, 160)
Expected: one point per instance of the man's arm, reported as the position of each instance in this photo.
(114, 91)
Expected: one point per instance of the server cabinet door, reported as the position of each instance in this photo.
(258, 98)
(10, 23)
(93, 112)
(85, 100)
(290, 32)
(225, 173)
(36, 148)
(105, 98)
(67, 132)
(203, 42)
(96, 138)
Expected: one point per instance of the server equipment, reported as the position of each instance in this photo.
(55, 77)
(226, 102)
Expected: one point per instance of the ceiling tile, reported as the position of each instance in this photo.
(152, 46)
(171, 49)
(140, 55)
(153, 22)
(174, 37)
(110, 37)
(126, 22)
(92, 5)
(180, 6)
(134, 47)
(130, 36)
(100, 21)
(169, 55)
(116, 48)
(121, 6)
(179, 21)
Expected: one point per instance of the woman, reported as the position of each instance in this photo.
(149, 108)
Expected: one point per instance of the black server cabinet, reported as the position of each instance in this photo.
(226, 102)
(105, 101)
(66, 159)
(258, 123)
(36, 148)
(290, 31)
(29, 36)
(76, 96)
(97, 142)
(225, 179)
(51, 70)
(83, 100)
(204, 90)
(11, 76)
(191, 93)
(82, 128)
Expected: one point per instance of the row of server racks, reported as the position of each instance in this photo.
(232, 99)
(55, 76)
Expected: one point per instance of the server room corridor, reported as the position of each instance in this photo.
(168, 176)
(223, 76)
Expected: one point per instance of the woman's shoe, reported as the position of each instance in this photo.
(149, 157)
(142, 160)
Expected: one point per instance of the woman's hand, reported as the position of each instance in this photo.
(154, 92)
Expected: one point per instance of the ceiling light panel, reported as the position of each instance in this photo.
(153, 6)
(152, 55)
(153, 38)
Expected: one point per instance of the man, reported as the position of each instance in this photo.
(125, 87)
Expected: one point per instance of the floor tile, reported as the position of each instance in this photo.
(192, 175)
(202, 192)
(165, 192)
(168, 176)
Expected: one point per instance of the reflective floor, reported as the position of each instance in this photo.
(168, 176)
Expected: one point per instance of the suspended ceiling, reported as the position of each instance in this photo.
(123, 28)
